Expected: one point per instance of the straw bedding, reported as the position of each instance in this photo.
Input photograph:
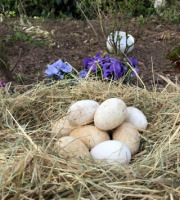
(31, 168)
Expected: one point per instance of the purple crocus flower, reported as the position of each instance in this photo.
(115, 68)
(133, 61)
(133, 74)
(83, 73)
(107, 68)
(112, 68)
(2, 84)
(92, 62)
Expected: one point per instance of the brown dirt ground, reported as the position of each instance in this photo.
(77, 40)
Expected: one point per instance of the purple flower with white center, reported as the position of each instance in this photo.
(2, 84)
(92, 62)
(83, 73)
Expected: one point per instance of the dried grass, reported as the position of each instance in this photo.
(30, 168)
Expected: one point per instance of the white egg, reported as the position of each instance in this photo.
(110, 114)
(111, 152)
(136, 118)
(82, 112)
(121, 40)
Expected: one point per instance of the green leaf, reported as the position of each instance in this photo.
(65, 2)
(58, 2)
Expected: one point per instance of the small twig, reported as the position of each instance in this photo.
(4, 68)
(140, 154)
(132, 68)
(87, 19)
(23, 54)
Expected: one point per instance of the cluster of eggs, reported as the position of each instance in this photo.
(108, 133)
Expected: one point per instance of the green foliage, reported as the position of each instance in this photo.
(73, 8)
(51, 8)
(174, 56)
(21, 36)
(171, 13)
(10, 14)
(5, 66)
(17, 36)
(8, 8)
(8, 5)
(136, 7)
(40, 8)
(131, 7)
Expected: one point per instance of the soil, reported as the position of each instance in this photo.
(76, 40)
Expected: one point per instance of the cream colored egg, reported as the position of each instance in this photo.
(72, 146)
(110, 114)
(111, 152)
(82, 112)
(90, 135)
(61, 128)
(136, 118)
(127, 134)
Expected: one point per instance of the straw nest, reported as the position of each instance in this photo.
(30, 168)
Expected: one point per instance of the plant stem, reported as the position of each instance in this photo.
(5, 70)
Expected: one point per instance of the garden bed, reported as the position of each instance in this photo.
(76, 40)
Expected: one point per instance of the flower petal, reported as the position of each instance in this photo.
(58, 64)
(133, 61)
(106, 74)
(117, 70)
(51, 71)
(133, 74)
(2, 84)
(83, 73)
(66, 68)
(92, 62)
